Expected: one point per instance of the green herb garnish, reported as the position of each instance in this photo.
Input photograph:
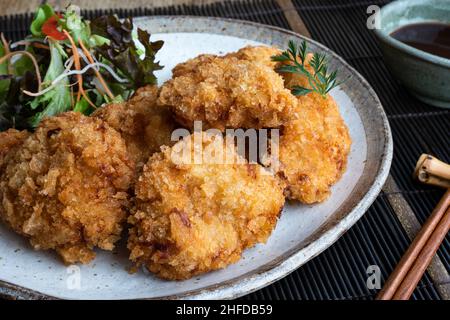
(319, 80)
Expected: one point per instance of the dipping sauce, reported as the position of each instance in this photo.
(432, 37)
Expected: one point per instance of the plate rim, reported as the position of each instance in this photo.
(254, 280)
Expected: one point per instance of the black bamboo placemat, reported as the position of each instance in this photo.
(378, 238)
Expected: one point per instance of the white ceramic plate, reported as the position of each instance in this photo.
(302, 231)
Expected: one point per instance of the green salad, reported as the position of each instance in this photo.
(70, 63)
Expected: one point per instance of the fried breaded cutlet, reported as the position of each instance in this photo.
(313, 149)
(144, 125)
(193, 218)
(229, 91)
(315, 145)
(65, 187)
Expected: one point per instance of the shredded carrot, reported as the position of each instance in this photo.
(99, 76)
(33, 59)
(5, 43)
(7, 51)
(8, 55)
(76, 59)
(40, 45)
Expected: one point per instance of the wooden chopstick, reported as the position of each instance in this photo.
(402, 281)
(421, 263)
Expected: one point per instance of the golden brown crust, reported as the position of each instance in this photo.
(315, 145)
(66, 187)
(10, 140)
(144, 125)
(193, 218)
(257, 54)
(229, 91)
(314, 149)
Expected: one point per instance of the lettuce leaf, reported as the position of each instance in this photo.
(42, 14)
(56, 100)
(122, 52)
(127, 50)
(4, 88)
(4, 81)
(13, 112)
(75, 24)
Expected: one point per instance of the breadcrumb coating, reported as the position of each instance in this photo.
(314, 149)
(314, 146)
(232, 91)
(257, 54)
(144, 125)
(10, 140)
(65, 187)
(193, 218)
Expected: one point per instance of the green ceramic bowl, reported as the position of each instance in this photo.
(426, 76)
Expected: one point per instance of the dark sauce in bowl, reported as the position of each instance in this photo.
(431, 37)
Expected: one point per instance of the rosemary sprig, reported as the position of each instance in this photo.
(319, 81)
